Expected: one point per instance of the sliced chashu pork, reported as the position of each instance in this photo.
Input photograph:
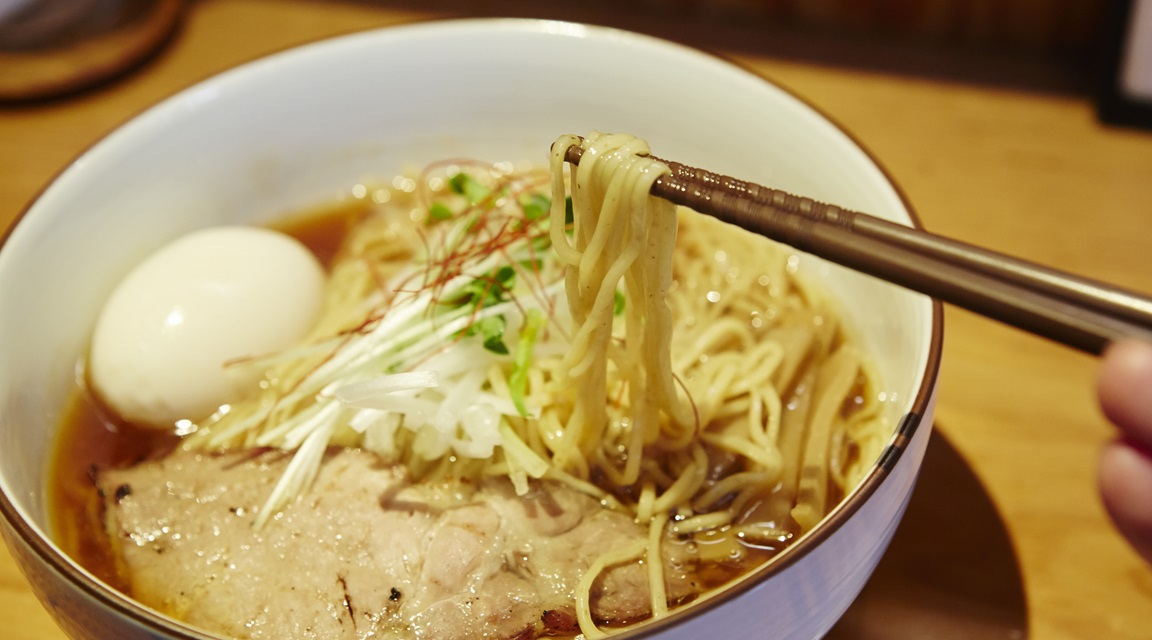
(367, 554)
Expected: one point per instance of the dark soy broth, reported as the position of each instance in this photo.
(90, 437)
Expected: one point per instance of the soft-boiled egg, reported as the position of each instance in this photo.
(171, 340)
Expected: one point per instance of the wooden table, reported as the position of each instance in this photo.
(1005, 536)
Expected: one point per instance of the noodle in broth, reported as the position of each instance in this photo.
(670, 366)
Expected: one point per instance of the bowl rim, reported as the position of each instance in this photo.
(909, 423)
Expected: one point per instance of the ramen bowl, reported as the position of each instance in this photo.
(304, 126)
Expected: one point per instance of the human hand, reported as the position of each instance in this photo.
(1124, 387)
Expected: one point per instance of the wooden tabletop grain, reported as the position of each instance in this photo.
(1005, 536)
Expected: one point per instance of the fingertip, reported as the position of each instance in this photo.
(1124, 389)
(1125, 480)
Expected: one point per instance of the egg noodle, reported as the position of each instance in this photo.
(483, 324)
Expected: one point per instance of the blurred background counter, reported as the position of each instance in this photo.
(984, 113)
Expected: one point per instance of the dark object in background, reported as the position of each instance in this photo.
(1125, 93)
(53, 48)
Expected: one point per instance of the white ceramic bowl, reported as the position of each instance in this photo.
(303, 126)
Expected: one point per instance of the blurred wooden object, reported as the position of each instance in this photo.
(1006, 536)
(80, 45)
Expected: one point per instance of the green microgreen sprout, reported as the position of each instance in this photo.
(439, 211)
(536, 206)
(469, 187)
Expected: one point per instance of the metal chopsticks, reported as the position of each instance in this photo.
(1076, 311)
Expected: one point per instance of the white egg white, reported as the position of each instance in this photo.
(162, 345)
